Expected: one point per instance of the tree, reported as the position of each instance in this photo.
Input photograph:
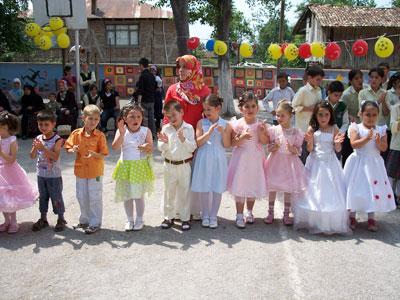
(302, 6)
(181, 19)
(396, 3)
(12, 37)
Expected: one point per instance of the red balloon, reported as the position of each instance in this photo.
(193, 43)
(283, 47)
(360, 48)
(333, 51)
(305, 50)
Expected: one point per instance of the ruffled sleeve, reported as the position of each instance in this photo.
(353, 127)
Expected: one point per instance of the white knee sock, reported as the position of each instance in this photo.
(128, 204)
(205, 204)
(216, 202)
(139, 208)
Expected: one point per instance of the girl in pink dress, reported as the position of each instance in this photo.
(246, 174)
(284, 169)
(16, 192)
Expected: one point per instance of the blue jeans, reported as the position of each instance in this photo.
(149, 121)
(106, 115)
(51, 188)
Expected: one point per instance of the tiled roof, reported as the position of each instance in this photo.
(126, 9)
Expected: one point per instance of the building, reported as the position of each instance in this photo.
(326, 23)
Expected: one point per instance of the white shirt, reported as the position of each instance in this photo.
(394, 125)
(175, 149)
(305, 96)
(275, 95)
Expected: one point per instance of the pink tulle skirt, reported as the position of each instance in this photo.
(285, 173)
(16, 191)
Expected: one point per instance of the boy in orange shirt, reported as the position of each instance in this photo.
(90, 146)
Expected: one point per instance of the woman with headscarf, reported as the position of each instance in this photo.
(69, 108)
(16, 94)
(31, 104)
(190, 91)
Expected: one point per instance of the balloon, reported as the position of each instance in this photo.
(220, 48)
(63, 40)
(32, 29)
(193, 43)
(333, 51)
(274, 51)
(210, 45)
(317, 49)
(60, 31)
(291, 52)
(44, 42)
(36, 40)
(305, 50)
(46, 30)
(56, 23)
(384, 47)
(245, 50)
(360, 48)
(283, 47)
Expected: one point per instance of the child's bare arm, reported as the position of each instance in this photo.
(357, 142)
(226, 136)
(309, 138)
(147, 147)
(12, 156)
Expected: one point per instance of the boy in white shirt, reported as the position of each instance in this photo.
(283, 91)
(177, 143)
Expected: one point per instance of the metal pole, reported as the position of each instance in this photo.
(281, 33)
(77, 68)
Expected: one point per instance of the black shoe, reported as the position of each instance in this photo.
(166, 224)
(185, 226)
(40, 224)
(60, 226)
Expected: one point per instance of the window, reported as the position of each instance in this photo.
(122, 35)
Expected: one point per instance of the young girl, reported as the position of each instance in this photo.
(16, 191)
(246, 175)
(133, 174)
(323, 207)
(368, 187)
(284, 169)
(210, 164)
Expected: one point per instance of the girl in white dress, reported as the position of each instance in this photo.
(322, 209)
(368, 186)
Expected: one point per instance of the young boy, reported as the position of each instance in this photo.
(283, 91)
(305, 99)
(46, 148)
(177, 144)
(90, 146)
(340, 113)
(53, 105)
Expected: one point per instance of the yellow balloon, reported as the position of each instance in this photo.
(44, 42)
(63, 40)
(317, 49)
(32, 29)
(36, 40)
(384, 47)
(220, 48)
(56, 23)
(60, 31)
(245, 50)
(274, 51)
(291, 52)
(46, 30)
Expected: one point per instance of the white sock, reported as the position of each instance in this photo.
(128, 205)
(139, 209)
(205, 204)
(216, 202)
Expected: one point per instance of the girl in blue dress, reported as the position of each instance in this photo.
(209, 176)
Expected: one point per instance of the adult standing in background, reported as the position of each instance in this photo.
(69, 78)
(16, 94)
(145, 90)
(158, 100)
(87, 77)
(31, 104)
(69, 108)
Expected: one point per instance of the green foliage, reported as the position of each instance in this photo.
(396, 3)
(12, 37)
(302, 6)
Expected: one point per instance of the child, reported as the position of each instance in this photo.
(246, 174)
(53, 105)
(322, 209)
(177, 144)
(284, 170)
(210, 164)
(17, 192)
(393, 162)
(283, 91)
(133, 174)
(46, 148)
(340, 113)
(90, 146)
(305, 99)
(368, 187)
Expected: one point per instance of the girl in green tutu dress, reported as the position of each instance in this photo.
(134, 172)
